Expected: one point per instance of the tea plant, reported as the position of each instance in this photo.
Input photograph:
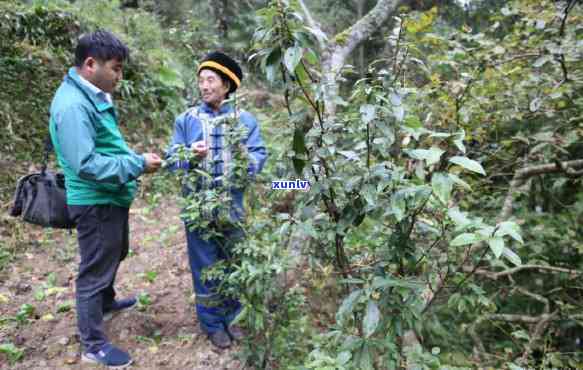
(13, 353)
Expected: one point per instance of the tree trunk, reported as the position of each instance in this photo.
(360, 12)
(337, 49)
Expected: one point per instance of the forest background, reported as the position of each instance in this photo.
(443, 143)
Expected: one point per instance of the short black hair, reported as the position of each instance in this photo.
(101, 45)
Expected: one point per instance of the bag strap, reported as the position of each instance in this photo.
(48, 147)
(47, 151)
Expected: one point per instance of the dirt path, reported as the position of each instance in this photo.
(162, 334)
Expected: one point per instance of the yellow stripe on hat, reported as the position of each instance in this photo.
(225, 70)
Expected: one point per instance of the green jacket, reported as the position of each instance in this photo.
(99, 166)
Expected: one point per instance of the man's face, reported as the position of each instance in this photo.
(106, 75)
(212, 89)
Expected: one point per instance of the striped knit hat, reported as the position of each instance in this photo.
(223, 65)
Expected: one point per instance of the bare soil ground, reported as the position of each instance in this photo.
(163, 334)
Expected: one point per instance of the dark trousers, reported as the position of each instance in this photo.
(103, 236)
(214, 311)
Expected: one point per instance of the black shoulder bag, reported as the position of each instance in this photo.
(40, 198)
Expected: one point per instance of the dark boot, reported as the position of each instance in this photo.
(236, 332)
(220, 339)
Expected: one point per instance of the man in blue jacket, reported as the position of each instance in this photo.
(100, 172)
(204, 130)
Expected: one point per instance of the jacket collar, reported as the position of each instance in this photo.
(96, 96)
(224, 109)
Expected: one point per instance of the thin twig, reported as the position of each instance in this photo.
(561, 57)
(312, 103)
(525, 173)
(398, 45)
(497, 275)
(561, 60)
(568, 8)
(308, 72)
(536, 297)
(286, 94)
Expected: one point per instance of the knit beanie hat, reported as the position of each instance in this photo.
(224, 65)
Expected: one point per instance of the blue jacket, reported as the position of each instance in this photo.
(188, 129)
(99, 166)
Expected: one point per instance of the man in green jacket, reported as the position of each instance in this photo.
(100, 172)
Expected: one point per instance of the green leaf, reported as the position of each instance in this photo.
(398, 109)
(272, 64)
(349, 154)
(301, 74)
(465, 238)
(351, 343)
(387, 282)
(321, 36)
(371, 319)
(11, 351)
(535, 104)
(512, 366)
(399, 113)
(395, 99)
(520, 334)
(308, 229)
(439, 135)
(431, 156)
(542, 60)
(486, 231)
(292, 57)
(311, 56)
(442, 186)
(398, 205)
(459, 181)
(509, 228)
(348, 305)
(274, 57)
(367, 112)
(343, 357)
(459, 218)
(468, 164)
(511, 256)
(498, 50)
(270, 72)
(496, 245)
(364, 358)
(413, 122)
(459, 141)
(240, 316)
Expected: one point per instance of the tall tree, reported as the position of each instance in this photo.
(336, 50)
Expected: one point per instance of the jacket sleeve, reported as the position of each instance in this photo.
(179, 137)
(76, 137)
(255, 147)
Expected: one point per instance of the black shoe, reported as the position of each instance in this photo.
(236, 332)
(220, 339)
(119, 306)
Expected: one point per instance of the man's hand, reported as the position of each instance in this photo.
(199, 148)
(153, 162)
